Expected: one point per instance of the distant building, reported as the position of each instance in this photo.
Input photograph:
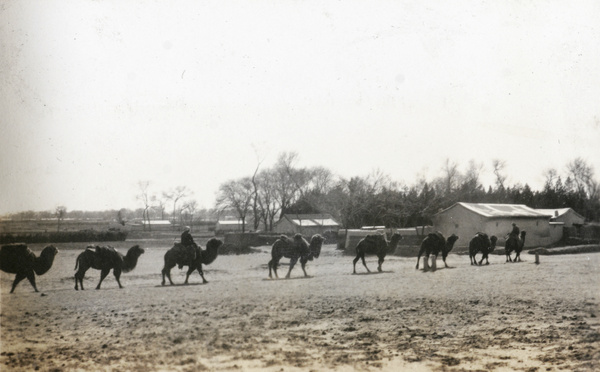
(466, 219)
(305, 224)
(565, 215)
(227, 226)
(156, 225)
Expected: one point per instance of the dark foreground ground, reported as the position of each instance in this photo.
(499, 317)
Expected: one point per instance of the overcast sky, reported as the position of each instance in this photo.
(98, 95)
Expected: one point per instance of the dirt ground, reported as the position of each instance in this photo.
(501, 317)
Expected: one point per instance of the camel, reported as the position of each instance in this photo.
(177, 256)
(295, 249)
(375, 244)
(106, 259)
(432, 245)
(18, 259)
(484, 244)
(514, 244)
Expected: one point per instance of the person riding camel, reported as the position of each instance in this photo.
(514, 234)
(186, 237)
(188, 250)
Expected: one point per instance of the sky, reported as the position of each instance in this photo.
(96, 96)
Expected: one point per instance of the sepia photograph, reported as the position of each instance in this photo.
(299, 185)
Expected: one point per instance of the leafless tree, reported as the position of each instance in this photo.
(499, 166)
(60, 213)
(145, 198)
(236, 194)
(175, 195)
(582, 174)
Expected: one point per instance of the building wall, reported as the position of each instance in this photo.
(569, 219)
(466, 224)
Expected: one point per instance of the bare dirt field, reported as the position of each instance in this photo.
(501, 317)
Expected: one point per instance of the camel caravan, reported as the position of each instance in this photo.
(20, 260)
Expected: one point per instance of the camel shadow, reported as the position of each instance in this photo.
(438, 269)
(179, 285)
(284, 279)
(373, 272)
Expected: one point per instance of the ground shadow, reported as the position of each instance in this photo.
(373, 272)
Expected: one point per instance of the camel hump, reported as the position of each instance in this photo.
(18, 248)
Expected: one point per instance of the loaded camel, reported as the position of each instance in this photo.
(294, 249)
(433, 244)
(191, 256)
(377, 245)
(481, 242)
(18, 259)
(106, 259)
(514, 244)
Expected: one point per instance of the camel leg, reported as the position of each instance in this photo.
(18, 278)
(31, 278)
(421, 251)
(292, 264)
(425, 262)
(191, 269)
(275, 265)
(303, 262)
(202, 274)
(270, 268)
(103, 275)
(117, 273)
(434, 262)
(354, 263)
(79, 279)
(362, 257)
(380, 262)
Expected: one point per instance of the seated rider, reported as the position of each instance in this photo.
(515, 232)
(186, 237)
(188, 253)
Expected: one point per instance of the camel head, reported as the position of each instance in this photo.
(315, 245)
(396, 237)
(135, 251)
(449, 245)
(493, 241)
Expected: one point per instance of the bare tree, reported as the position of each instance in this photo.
(237, 195)
(582, 175)
(175, 196)
(145, 198)
(499, 166)
(60, 213)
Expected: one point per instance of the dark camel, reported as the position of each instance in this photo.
(514, 244)
(295, 249)
(179, 255)
(106, 259)
(375, 244)
(19, 259)
(433, 244)
(484, 244)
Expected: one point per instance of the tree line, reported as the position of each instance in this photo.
(377, 200)
(373, 200)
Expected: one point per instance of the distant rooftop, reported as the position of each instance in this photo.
(502, 210)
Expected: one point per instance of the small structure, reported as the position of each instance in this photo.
(305, 224)
(228, 226)
(157, 225)
(567, 216)
(466, 219)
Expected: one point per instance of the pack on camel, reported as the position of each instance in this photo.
(433, 244)
(481, 242)
(193, 259)
(19, 259)
(106, 259)
(375, 244)
(516, 245)
(294, 249)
